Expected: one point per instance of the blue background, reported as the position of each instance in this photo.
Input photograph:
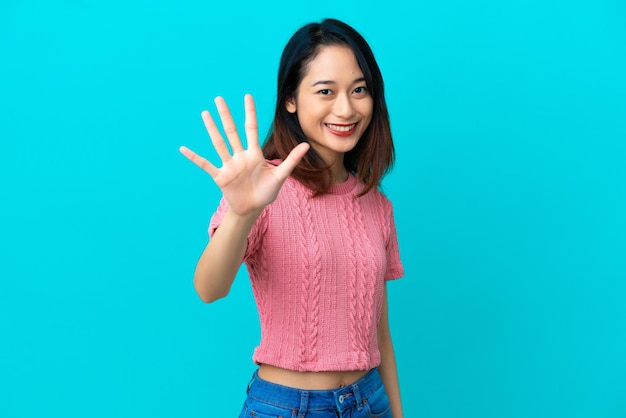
(509, 191)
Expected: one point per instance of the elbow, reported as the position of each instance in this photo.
(384, 336)
(210, 295)
(384, 342)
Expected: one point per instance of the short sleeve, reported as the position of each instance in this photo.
(395, 270)
(255, 235)
(218, 216)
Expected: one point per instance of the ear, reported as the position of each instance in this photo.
(291, 105)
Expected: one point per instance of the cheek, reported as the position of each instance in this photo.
(305, 119)
(368, 113)
(367, 108)
(310, 115)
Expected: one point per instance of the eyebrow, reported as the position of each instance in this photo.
(358, 80)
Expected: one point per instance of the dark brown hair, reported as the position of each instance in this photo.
(373, 155)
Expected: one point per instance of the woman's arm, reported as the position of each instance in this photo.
(388, 370)
(248, 184)
(221, 258)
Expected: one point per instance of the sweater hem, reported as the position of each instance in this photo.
(317, 367)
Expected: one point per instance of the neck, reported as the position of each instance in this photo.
(337, 168)
(339, 172)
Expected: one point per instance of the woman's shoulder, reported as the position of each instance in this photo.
(376, 193)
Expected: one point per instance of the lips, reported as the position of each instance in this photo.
(341, 130)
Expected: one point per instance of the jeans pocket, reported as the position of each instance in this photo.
(377, 404)
(260, 409)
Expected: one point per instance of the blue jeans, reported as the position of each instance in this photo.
(365, 398)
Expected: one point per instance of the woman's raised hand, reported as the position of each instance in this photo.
(247, 181)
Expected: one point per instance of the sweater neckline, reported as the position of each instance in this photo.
(345, 187)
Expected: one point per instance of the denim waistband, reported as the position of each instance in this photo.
(302, 399)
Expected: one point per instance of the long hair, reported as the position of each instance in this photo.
(373, 154)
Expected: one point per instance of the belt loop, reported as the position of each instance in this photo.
(357, 397)
(304, 403)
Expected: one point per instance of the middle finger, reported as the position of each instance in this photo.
(229, 125)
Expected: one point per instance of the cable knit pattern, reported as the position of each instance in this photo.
(365, 296)
(353, 299)
(318, 267)
(303, 214)
(316, 285)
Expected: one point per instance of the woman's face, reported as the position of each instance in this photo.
(333, 104)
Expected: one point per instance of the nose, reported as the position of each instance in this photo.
(343, 107)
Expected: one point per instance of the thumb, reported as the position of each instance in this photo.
(292, 160)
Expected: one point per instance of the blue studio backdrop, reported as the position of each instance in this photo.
(509, 121)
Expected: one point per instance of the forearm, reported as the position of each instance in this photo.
(387, 369)
(222, 257)
(389, 374)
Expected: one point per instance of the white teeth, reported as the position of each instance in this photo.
(341, 128)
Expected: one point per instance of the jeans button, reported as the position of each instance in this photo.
(340, 398)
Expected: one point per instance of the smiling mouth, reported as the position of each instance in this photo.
(341, 129)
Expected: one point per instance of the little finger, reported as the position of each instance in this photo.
(201, 162)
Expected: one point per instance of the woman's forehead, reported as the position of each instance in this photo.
(334, 64)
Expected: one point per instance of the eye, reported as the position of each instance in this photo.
(360, 90)
(325, 92)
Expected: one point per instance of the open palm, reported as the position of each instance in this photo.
(245, 178)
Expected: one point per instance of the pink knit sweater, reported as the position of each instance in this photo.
(318, 267)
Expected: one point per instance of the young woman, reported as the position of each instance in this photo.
(318, 237)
